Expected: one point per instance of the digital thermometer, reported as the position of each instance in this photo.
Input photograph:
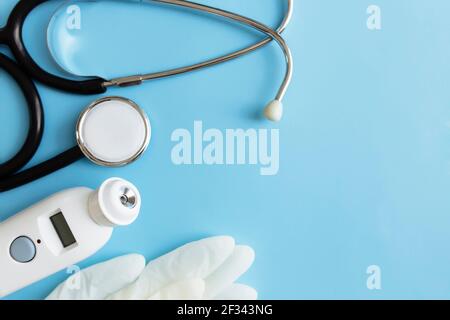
(62, 230)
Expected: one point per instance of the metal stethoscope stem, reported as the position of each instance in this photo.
(273, 35)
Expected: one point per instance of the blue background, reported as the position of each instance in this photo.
(365, 157)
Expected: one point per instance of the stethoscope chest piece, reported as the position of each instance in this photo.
(113, 131)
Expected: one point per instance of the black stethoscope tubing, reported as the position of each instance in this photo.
(11, 35)
(36, 118)
(22, 72)
(9, 179)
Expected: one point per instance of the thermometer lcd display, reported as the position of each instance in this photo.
(63, 230)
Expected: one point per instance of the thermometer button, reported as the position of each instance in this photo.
(22, 249)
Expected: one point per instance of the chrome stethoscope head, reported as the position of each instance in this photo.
(113, 131)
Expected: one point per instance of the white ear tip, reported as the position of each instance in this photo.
(274, 111)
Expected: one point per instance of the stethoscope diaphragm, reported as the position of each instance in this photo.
(113, 131)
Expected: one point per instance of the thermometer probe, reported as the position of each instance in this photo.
(62, 230)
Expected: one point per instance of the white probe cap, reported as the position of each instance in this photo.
(116, 203)
(274, 111)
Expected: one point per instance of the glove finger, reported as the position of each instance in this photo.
(192, 289)
(237, 292)
(195, 260)
(236, 265)
(100, 280)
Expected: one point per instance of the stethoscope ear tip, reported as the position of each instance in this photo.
(274, 111)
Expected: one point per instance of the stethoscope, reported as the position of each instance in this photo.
(101, 146)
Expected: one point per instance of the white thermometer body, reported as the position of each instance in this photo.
(61, 231)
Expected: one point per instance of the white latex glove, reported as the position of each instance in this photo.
(100, 280)
(205, 269)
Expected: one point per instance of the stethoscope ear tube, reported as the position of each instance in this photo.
(12, 35)
(3, 35)
(41, 170)
(9, 179)
(36, 118)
